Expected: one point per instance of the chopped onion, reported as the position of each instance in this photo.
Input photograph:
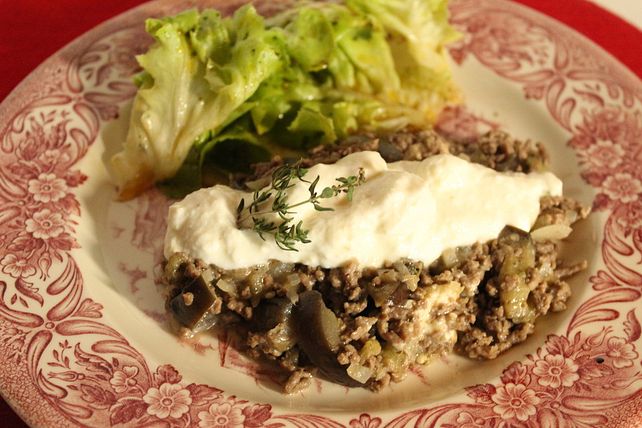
(227, 286)
(292, 292)
(258, 184)
(411, 281)
(359, 373)
(553, 232)
(449, 257)
(208, 276)
(279, 268)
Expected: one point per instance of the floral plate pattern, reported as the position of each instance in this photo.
(69, 358)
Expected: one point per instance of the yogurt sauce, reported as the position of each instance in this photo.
(405, 209)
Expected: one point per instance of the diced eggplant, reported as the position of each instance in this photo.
(382, 293)
(388, 151)
(396, 361)
(270, 313)
(318, 336)
(449, 259)
(535, 163)
(509, 163)
(173, 266)
(193, 306)
(371, 348)
(522, 252)
(515, 301)
(408, 273)
(519, 257)
(255, 282)
(392, 286)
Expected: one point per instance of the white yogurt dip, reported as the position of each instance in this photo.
(404, 209)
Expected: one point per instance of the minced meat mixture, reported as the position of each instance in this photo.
(367, 326)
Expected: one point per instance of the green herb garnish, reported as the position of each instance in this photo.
(286, 233)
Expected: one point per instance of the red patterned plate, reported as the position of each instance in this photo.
(82, 322)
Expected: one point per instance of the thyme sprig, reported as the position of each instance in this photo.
(286, 233)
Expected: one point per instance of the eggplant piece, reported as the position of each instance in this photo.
(522, 254)
(193, 307)
(450, 258)
(173, 266)
(317, 333)
(535, 163)
(270, 313)
(394, 360)
(515, 301)
(371, 348)
(388, 286)
(519, 258)
(388, 151)
(382, 293)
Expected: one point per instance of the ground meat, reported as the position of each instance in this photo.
(560, 210)
(564, 271)
(495, 149)
(373, 324)
(298, 381)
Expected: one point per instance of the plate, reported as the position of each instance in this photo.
(82, 324)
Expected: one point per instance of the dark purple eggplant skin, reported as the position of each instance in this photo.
(191, 316)
(317, 334)
(270, 313)
(388, 151)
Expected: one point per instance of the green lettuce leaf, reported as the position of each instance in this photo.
(184, 96)
(222, 92)
(418, 32)
(234, 149)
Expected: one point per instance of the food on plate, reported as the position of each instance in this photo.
(351, 244)
(220, 93)
(404, 209)
(422, 245)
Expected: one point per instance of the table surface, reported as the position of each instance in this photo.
(22, 48)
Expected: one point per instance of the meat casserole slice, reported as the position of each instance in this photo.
(367, 326)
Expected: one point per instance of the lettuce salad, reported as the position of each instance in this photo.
(223, 92)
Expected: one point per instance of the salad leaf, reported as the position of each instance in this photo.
(233, 149)
(217, 92)
(418, 31)
(185, 97)
(311, 40)
(309, 127)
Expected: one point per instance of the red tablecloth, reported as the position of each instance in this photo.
(32, 30)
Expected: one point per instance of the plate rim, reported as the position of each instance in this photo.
(102, 28)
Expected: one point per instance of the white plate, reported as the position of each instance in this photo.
(82, 324)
